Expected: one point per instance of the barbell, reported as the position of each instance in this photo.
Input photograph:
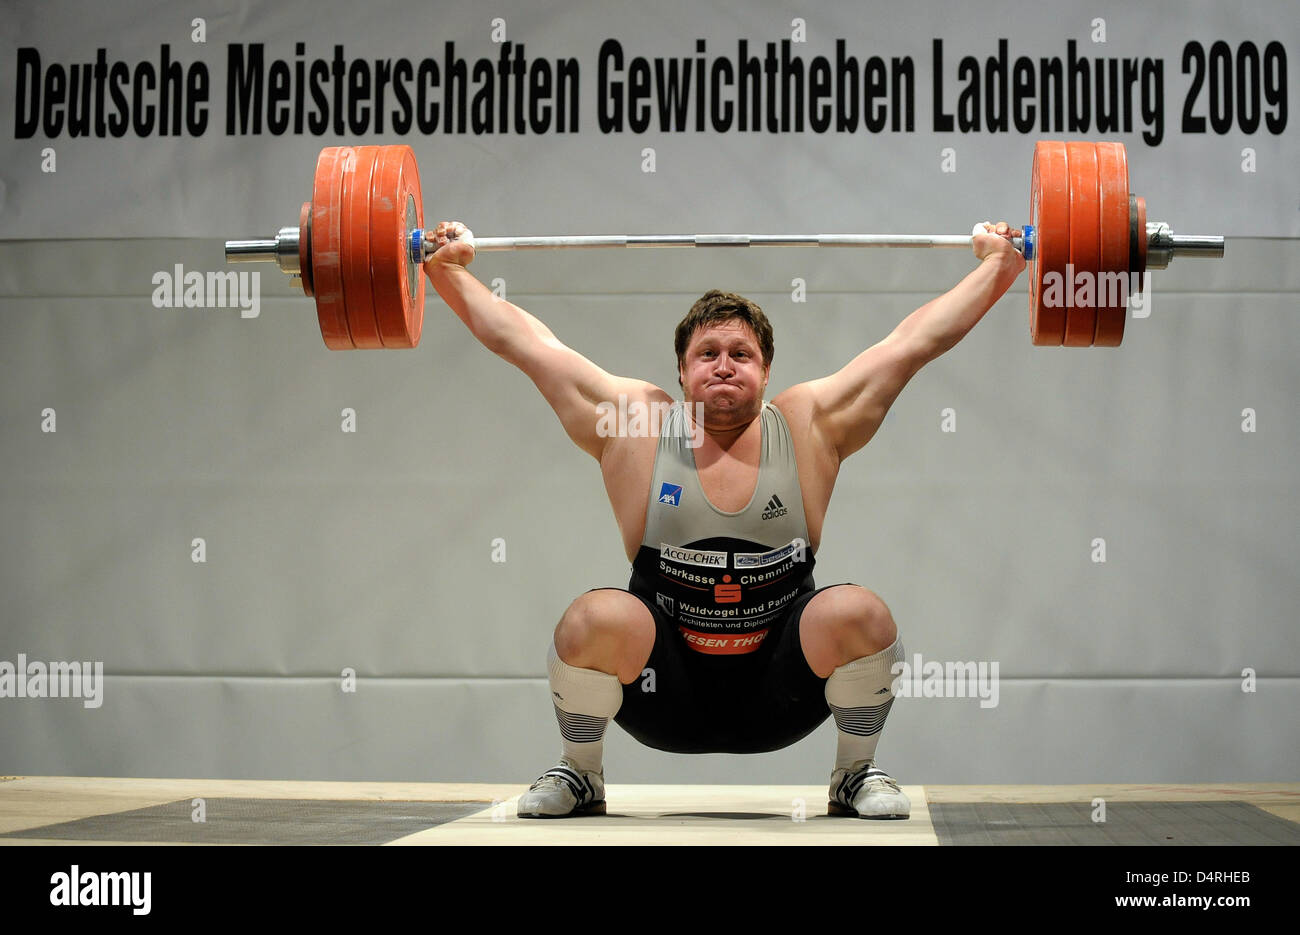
(360, 245)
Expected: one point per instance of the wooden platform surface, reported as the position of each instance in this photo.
(638, 814)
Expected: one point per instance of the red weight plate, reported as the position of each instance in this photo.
(414, 306)
(1113, 286)
(395, 210)
(1049, 213)
(326, 249)
(1085, 246)
(357, 277)
(304, 247)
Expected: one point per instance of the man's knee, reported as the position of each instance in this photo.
(852, 619)
(607, 630)
(871, 618)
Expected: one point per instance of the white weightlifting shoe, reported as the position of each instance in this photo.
(866, 791)
(564, 791)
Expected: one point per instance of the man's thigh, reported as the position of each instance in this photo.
(688, 702)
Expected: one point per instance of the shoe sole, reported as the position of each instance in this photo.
(836, 810)
(595, 808)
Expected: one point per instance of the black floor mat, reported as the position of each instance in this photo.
(261, 821)
(1143, 823)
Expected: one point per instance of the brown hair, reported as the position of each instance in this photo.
(715, 307)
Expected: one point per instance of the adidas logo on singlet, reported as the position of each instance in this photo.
(774, 508)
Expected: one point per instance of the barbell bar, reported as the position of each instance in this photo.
(360, 245)
(726, 240)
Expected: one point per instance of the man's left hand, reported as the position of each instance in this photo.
(988, 239)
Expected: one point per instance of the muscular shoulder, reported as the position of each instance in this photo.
(798, 405)
(626, 412)
(795, 403)
(630, 425)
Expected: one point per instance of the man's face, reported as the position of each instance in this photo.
(723, 369)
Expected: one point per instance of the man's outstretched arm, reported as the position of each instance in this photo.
(848, 406)
(572, 384)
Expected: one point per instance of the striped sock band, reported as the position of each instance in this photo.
(862, 722)
(581, 728)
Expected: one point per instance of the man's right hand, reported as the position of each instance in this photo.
(454, 243)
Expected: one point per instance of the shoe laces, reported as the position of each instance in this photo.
(552, 779)
(882, 779)
(541, 782)
(874, 778)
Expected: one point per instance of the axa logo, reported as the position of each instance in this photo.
(670, 494)
(774, 508)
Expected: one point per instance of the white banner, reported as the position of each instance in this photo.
(194, 120)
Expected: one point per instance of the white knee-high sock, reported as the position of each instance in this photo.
(859, 694)
(585, 700)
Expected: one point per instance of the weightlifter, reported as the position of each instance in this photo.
(721, 513)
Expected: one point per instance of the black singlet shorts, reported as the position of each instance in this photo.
(690, 702)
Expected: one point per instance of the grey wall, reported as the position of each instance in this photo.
(373, 550)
